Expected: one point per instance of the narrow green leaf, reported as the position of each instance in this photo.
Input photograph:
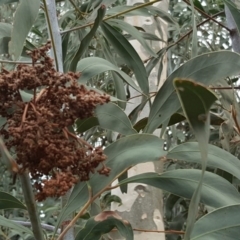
(197, 114)
(235, 13)
(24, 18)
(92, 66)
(223, 223)
(118, 81)
(154, 61)
(194, 33)
(217, 157)
(134, 32)
(4, 222)
(126, 51)
(120, 90)
(7, 201)
(87, 39)
(103, 223)
(216, 191)
(206, 69)
(125, 152)
(112, 117)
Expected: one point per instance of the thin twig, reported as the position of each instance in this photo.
(31, 205)
(15, 62)
(154, 93)
(157, 231)
(225, 88)
(112, 16)
(43, 225)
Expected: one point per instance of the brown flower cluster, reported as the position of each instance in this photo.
(38, 129)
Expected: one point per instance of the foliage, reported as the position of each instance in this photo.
(197, 109)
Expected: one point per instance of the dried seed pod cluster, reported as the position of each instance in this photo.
(37, 130)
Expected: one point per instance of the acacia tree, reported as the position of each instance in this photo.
(64, 132)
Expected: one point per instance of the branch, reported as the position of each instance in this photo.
(43, 225)
(31, 205)
(225, 88)
(156, 231)
(15, 62)
(113, 16)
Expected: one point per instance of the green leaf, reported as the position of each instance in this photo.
(85, 124)
(103, 223)
(206, 69)
(24, 18)
(87, 39)
(235, 13)
(126, 51)
(154, 61)
(2, 121)
(120, 90)
(134, 32)
(216, 191)
(196, 101)
(223, 223)
(92, 66)
(197, 114)
(112, 117)
(217, 157)
(5, 30)
(7, 201)
(4, 222)
(125, 152)
(117, 80)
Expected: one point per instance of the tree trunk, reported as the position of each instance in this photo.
(142, 205)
